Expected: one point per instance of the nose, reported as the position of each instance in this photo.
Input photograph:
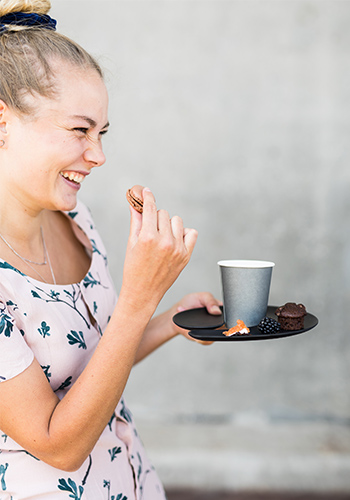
(94, 154)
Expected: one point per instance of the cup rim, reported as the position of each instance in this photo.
(246, 264)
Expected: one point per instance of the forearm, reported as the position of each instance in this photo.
(130, 337)
(93, 398)
(159, 330)
(63, 433)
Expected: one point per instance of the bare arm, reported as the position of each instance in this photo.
(63, 433)
(161, 328)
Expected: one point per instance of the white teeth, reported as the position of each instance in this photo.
(73, 176)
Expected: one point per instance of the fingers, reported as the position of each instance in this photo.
(214, 309)
(150, 216)
(211, 303)
(197, 341)
(164, 222)
(200, 299)
(203, 342)
(190, 239)
(135, 215)
(177, 228)
(153, 221)
(148, 197)
(135, 224)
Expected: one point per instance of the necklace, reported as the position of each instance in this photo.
(30, 262)
(23, 258)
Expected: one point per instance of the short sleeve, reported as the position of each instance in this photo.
(15, 354)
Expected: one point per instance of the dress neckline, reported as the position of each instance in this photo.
(77, 230)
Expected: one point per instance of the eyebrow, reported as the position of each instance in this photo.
(90, 121)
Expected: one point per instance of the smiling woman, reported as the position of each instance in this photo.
(49, 177)
(67, 345)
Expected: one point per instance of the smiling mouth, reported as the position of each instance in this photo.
(75, 177)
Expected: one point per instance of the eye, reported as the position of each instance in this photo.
(103, 132)
(82, 130)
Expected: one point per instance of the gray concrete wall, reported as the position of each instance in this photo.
(237, 115)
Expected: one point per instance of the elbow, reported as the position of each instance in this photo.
(68, 461)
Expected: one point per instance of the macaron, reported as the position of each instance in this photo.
(134, 197)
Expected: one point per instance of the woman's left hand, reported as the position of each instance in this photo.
(161, 328)
(195, 300)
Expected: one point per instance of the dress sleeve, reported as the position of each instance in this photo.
(15, 354)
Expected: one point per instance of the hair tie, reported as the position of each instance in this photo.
(25, 19)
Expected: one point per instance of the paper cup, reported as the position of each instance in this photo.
(245, 290)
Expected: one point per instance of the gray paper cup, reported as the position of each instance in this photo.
(245, 290)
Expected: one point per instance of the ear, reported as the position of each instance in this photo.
(4, 109)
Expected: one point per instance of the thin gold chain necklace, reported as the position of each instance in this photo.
(30, 262)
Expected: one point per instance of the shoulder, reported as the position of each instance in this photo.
(15, 354)
(10, 279)
(82, 217)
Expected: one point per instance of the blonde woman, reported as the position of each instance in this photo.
(66, 344)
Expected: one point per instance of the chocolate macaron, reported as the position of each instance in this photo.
(134, 197)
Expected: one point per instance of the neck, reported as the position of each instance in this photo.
(27, 252)
(23, 232)
(19, 222)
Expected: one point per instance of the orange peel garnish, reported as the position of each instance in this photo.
(237, 329)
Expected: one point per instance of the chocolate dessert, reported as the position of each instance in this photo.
(291, 316)
(134, 197)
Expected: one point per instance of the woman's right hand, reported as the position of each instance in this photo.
(158, 249)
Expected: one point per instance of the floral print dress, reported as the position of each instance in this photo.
(61, 326)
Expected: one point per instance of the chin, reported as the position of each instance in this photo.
(64, 205)
(69, 206)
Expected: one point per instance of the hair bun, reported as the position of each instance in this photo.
(25, 6)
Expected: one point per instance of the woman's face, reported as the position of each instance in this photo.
(47, 157)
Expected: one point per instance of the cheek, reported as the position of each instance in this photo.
(68, 150)
(60, 156)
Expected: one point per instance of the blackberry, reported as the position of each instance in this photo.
(269, 325)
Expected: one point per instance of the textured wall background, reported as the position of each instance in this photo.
(237, 114)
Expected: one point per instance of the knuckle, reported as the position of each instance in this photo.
(146, 239)
(153, 207)
(163, 213)
(166, 245)
(150, 206)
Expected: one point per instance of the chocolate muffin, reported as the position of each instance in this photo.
(291, 316)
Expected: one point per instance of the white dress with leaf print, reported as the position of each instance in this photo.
(61, 326)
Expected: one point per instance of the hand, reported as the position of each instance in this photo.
(195, 300)
(158, 249)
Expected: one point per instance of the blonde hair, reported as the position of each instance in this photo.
(29, 6)
(27, 54)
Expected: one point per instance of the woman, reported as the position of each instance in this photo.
(66, 345)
